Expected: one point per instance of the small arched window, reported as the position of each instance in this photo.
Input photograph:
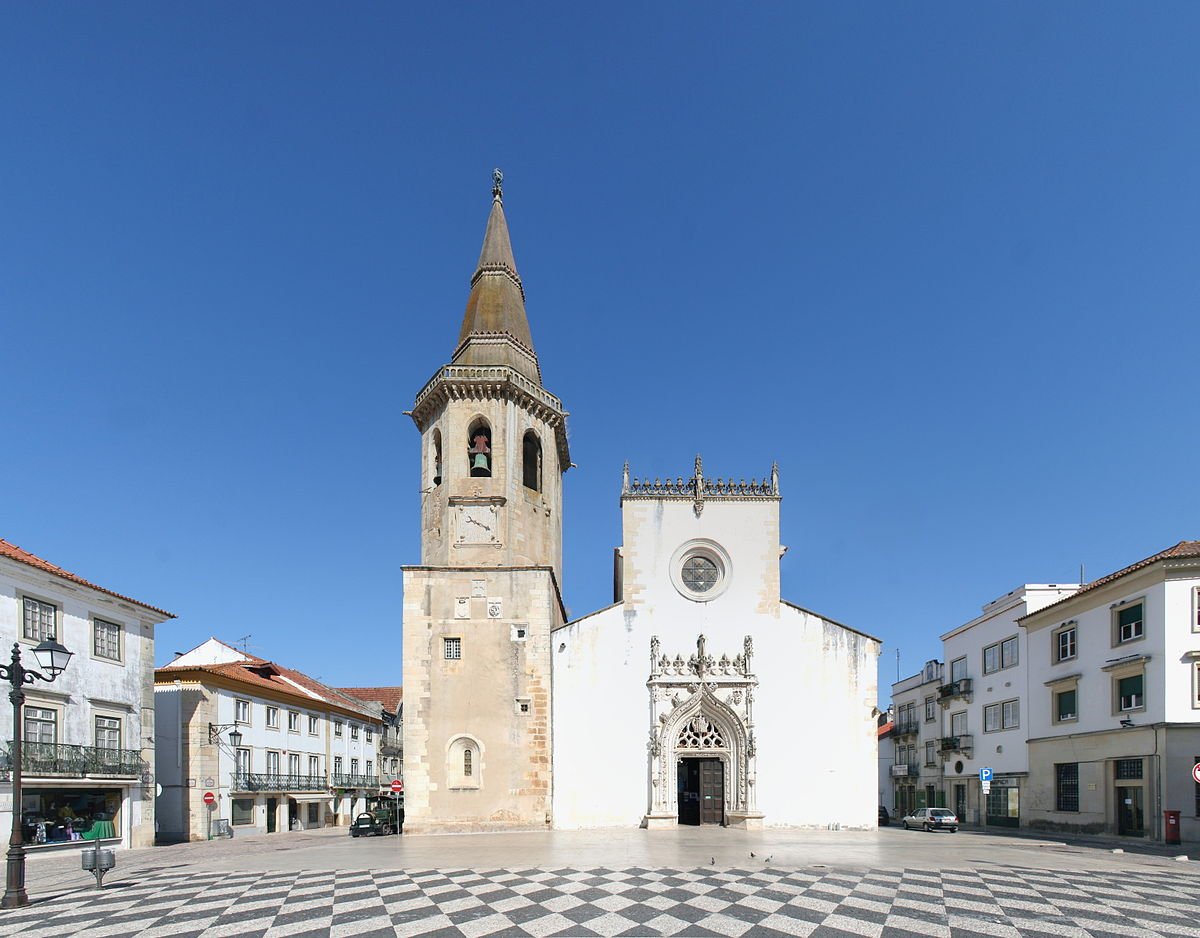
(467, 770)
(531, 452)
(435, 454)
(479, 449)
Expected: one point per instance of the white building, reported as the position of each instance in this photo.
(708, 698)
(986, 712)
(88, 758)
(307, 755)
(1114, 682)
(916, 772)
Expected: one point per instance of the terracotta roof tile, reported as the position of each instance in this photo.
(389, 697)
(13, 552)
(1180, 550)
(280, 680)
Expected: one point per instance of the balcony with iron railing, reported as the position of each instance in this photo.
(907, 727)
(354, 781)
(66, 761)
(906, 770)
(959, 688)
(955, 744)
(254, 781)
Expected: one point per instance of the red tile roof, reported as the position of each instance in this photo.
(13, 552)
(390, 697)
(1181, 550)
(885, 729)
(262, 674)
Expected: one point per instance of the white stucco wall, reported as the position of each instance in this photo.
(90, 687)
(814, 722)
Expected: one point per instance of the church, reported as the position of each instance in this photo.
(699, 696)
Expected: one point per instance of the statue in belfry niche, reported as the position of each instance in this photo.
(481, 455)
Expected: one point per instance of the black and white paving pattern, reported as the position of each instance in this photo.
(1005, 902)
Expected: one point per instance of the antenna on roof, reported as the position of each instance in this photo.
(243, 641)
(897, 665)
(1081, 579)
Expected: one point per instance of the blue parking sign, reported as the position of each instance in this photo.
(985, 775)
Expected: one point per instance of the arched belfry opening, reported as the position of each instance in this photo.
(701, 747)
(531, 461)
(479, 448)
(435, 457)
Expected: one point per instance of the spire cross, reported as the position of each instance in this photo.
(698, 482)
(497, 185)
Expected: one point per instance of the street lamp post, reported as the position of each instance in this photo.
(52, 658)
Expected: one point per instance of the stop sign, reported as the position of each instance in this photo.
(210, 798)
(397, 786)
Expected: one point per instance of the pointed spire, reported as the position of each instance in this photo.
(496, 306)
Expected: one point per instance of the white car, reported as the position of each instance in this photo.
(932, 819)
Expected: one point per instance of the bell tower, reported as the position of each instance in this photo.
(479, 608)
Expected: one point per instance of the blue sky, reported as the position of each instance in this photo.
(937, 260)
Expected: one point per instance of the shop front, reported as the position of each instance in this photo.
(52, 813)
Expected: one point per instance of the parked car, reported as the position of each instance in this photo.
(932, 819)
(368, 824)
(884, 817)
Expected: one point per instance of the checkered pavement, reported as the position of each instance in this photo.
(1012, 903)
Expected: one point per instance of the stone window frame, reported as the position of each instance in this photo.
(293, 721)
(25, 596)
(953, 667)
(1119, 671)
(1059, 686)
(241, 704)
(97, 716)
(464, 750)
(452, 648)
(1061, 794)
(930, 709)
(1124, 606)
(272, 717)
(338, 728)
(245, 820)
(713, 552)
(1071, 629)
(523, 702)
(96, 622)
(531, 460)
(314, 725)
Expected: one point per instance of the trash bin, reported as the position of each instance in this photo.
(1171, 826)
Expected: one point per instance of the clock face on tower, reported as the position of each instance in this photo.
(476, 524)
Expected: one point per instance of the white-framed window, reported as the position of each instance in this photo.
(1066, 705)
(1065, 644)
(106, 640)
(337, 727)
(370, 768)
(40, 620)
(272, 717)
(1196, 610)
(314, 766)
(241, 711)
(464, 766)
(293, 763)
(108, 732)
(1001, 655)
(1010, 714)
(958, 670)
(958, 723)
(524, 706)
(293, 721)
(337, 765)
(931, 752)
(452, 648)
(354, 731)
(353, 766)
(370, 736)
(243, 762)
(313, 726)
(272, 762)
(242, 811)
(930, 709)
(41, 725)
(1128, 625)
(1131, 692)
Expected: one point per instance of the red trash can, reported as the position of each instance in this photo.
(1171, 826)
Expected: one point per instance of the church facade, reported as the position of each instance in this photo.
(698, 697)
